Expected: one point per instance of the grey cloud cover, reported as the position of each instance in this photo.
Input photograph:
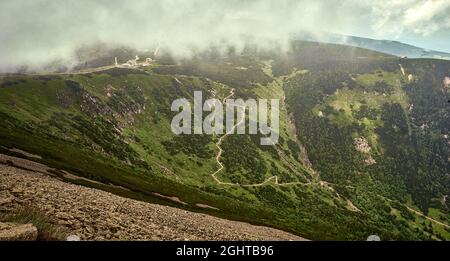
(34, 32)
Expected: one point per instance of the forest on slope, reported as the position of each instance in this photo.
(363, 144)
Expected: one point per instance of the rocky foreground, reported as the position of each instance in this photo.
(93, 214)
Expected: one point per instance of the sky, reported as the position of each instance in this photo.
(35, 32)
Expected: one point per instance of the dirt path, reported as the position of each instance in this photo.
(419, 213)
(220, 150)
(273, 179)
(427, 217)
(94, 70)
(84, 71)
(402, 70)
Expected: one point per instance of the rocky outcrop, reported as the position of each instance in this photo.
(446, 82)
(18, 232)
(93, 214)
(122, 105)
(363, 146)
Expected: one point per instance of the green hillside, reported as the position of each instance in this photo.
(363, 147)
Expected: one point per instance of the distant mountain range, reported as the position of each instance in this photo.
(385, 46)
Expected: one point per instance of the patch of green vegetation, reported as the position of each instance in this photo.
(371, 79)
(48, 229)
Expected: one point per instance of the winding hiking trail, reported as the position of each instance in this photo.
(427, 217)
(419, 213)
(273, 179)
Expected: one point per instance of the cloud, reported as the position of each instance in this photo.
(421, 17)
(40, 31)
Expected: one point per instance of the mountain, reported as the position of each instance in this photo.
(363, 145)
(385, 46)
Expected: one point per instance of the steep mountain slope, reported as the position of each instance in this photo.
(338, 172)
(377, 128)
(92, 214)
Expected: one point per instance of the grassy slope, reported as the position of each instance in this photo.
(141, 156)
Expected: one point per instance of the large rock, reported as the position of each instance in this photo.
(5, 197)
(18, 232)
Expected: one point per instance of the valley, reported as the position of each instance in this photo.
(353, 158)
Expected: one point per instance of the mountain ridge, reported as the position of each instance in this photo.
(392, 47)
